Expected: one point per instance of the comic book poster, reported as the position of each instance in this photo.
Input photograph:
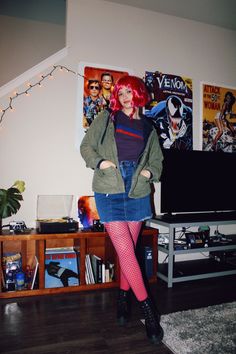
(170, 109)
(219, 118)
(95, 85)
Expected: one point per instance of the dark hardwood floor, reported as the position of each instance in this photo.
(85, 322)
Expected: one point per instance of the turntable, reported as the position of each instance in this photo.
(54, 214)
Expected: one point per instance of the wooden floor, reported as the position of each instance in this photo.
(85, 322)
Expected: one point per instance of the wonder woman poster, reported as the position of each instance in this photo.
(170, 109)
(219, 118)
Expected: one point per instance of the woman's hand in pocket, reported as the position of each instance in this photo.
(146, 173)
(106, 164)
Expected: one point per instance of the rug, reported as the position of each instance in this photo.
(209, 330)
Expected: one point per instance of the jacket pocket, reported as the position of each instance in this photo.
(142, 187)
(106, 180)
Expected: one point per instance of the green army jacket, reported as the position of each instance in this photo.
(99, 144)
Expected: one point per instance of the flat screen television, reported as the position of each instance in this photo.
(198, 181)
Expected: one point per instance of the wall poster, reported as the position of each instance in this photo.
(95, 85)
(171, 109)
(219, 118)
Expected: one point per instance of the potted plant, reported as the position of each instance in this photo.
(10, 200)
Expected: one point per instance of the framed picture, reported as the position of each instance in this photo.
(87, 211)
(95, 85)
(218, 118)
(171, 108)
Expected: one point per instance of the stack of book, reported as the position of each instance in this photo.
(96, 271)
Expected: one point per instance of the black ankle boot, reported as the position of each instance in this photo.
(123, 307)
(152, 321)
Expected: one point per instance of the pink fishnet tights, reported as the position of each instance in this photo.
(124, 236)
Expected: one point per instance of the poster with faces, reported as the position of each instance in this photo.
(95, 86)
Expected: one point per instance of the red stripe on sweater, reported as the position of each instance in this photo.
(130, 134)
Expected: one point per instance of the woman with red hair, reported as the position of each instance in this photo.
(122, 148)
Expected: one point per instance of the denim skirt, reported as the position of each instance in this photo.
(119, 207)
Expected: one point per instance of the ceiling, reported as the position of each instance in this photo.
(220, 13)
(53, 11)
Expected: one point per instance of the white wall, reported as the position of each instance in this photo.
(37, 140)
(24, 43)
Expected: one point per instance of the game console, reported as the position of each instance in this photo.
(196, 239)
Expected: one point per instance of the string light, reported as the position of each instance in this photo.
(31, 86)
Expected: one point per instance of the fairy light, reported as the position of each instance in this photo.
(31, 86)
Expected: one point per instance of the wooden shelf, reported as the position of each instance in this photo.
(88, 242)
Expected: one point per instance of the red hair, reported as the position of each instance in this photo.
(139, 90)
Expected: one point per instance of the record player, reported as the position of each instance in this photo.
(54, 214)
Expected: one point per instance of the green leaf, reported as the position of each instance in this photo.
(20, 185)
(9, 202)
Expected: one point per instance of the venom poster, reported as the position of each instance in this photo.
(170, 108)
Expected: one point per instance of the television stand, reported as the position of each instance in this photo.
(173, 272)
